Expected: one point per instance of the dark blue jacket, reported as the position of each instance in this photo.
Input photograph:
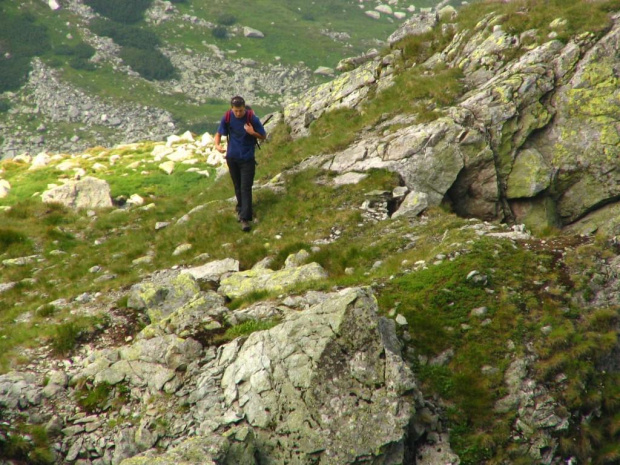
(241, 145)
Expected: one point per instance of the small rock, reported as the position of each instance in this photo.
(401, 320)
(182, 249)
(479, 312)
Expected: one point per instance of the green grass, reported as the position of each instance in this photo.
(523, 15)
(248, 327)
(437, 303)
(436, 300)
(93, 399)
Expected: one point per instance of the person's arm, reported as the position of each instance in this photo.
(259, 132)
(218, 140)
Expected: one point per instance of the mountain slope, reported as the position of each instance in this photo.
(360, 307)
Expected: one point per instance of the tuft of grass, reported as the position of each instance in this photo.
(248, 299)
(94, 399)
(65, 338)
(248, 327)
(522, 15)
(10, 237)
(45, 311)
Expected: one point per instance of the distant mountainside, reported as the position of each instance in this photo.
(80, 73)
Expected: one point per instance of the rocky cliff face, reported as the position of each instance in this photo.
(327, 384)
(535, 140)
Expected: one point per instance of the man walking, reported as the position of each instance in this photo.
(242, 128)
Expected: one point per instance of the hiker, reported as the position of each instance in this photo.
(242, 128)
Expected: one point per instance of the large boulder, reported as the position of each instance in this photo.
(416, 25)
(530, 175)
(265, 279)
(202, 317)
(213, 271)
(235, 449)
(327, 385)
(163, 294)
(583, 141)
(151, 364)
(86, 193)
(346, 91)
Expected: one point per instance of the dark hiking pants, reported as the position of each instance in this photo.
(242, 175)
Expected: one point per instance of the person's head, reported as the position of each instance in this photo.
(237, 104)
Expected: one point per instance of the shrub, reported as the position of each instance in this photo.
(84, 50)
(226, 19)
(81, 50)
(198, 127)
(82, 64)
(9, 236)
(23, 37)
(219, 32)
(92, 400)
(41, 456)
(5, 106)
(15, 447)
(125, 35)
(150, 64)
(20, 39)
(64, 50)
(13, 73)
(66, 338)
(122, 11)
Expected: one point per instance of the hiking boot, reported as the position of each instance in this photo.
(245, 226)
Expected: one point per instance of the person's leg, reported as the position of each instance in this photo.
(246, 170)
(235, 175)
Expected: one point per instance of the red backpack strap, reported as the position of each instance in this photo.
(227, 117)
(250, 114)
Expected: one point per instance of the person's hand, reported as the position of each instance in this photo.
(220, 149)
(249, 129)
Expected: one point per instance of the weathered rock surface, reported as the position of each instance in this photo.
(163, 294)
(536, 416)
(328, 384)
(535, 140)
(246, 282)
(583, 141)
(86, 193)
(235, 449)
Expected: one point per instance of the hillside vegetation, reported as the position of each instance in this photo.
(476, 296)
(295, 33)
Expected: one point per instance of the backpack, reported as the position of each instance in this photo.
(249, 113)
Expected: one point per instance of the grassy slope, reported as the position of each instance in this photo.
(529, 285)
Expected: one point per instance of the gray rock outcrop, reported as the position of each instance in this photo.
(264, 279)
(328, 385)
(86, 193)
(514, 146)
